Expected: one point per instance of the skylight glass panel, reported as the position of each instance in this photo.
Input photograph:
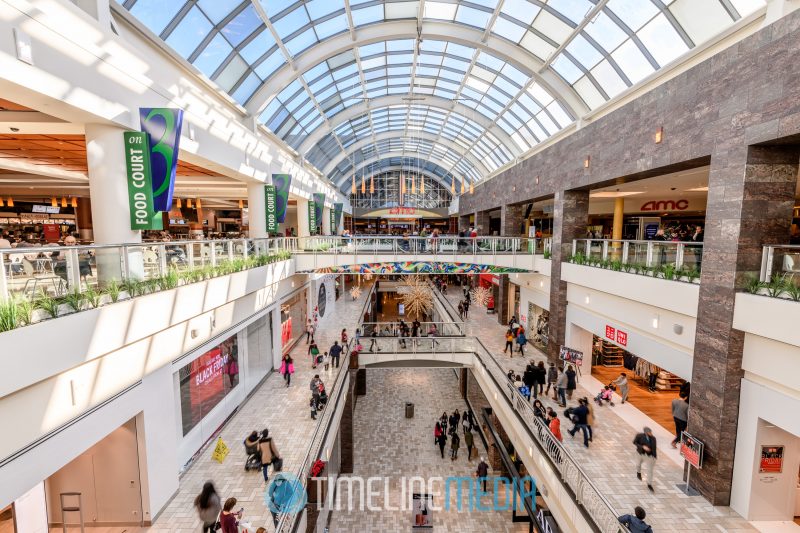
(155, 14)
(662, 40)
(537, 46)
(319, 8)
(189, 33)
(746, 7)
(606, 32)
(216, 10)
(584, 52)
(433, 46)
(331, 26)
(243, 93)
(558, 113)
(567, 69)
(367, 15)
(542, 96)
(507, 29)
(212, 55)
(401, 10)
(521, 10)
(551, 26)
(608, 78)
(632, 61)
(256, 48)
(440, 10)
(589, 93)
(301, 42)
(473, 17)
(340, 60)
(267, 67)
(274, 7)
(701, 19)
(238, 29)
(463, 52)
(634, 13)
(291, 22)
(575, 10)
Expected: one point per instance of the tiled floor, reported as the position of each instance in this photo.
(610, 460)
(389, 445)
(284, 411)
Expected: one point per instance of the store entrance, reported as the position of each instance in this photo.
(651, 389)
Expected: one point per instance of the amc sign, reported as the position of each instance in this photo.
(665, 205)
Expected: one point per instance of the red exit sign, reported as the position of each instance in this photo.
(617, 335)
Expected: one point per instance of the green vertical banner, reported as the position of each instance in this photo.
(140, 190)
(270, 208)
(332, 219)
(319, 206)
(338, 208)
(281, 182)
(312, 218)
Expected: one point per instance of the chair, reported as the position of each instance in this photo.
(790, 265)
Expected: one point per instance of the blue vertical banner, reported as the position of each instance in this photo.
(281, 182)
(163, 128)
(338, 208)
(319, 205)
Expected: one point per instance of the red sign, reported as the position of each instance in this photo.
(286, 332)
(617, 335)
(206, 384)
(51, 232)
(691, 450)
(771, 460)
(665, 205)
(403, 211)
(492, 279)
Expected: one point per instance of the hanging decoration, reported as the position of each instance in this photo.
(355, 292)
(471, 188)
(372, 183)
(453, 186)
(353, 188)
(481, 295)
(363, 184)
(462, 185)
(413, 185)
(416, 296)
(422, 184)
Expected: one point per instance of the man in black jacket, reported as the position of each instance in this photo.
(645, 443)
(579, 416)
(529, 378)
(336, 352)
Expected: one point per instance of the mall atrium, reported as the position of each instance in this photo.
(393, 265)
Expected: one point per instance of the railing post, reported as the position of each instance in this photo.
(605, 250)
(649, 260)
(73, 271)
(162, 259)
(212, 254)
(190, 254)
(125, 263)
(767, 258)
(574, 246)
(679, 255)
(245, 244)
(588, 248)
(5, 272)
(230, 250)
(625, 251)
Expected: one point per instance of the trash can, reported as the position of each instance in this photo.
(409, 410)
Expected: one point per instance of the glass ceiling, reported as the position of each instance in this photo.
(498, 78)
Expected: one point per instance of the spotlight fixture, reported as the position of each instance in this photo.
(10, 202)
(188, 203)
(655, 321)
(74, 202)
(659, 135)
(587, 161)
(537, 180)
(453, 186)
(422, 184)
(53, 202)
(241, 204)
(63, 201)
(178, 203)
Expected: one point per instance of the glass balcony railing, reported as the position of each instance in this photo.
(445, 245)
(666, 259)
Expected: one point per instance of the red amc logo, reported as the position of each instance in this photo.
(665, 205)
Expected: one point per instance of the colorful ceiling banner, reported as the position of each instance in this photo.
(163, 128)
(140, 192)
(338, 209)
(312, 218)
(319, 205)
(418, 267)
(281, 182)
(270, 202)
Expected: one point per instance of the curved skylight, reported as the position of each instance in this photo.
(318, 73)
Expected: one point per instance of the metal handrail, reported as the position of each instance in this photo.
(368, 327)
(443, 245)
(789, 261)
(654, 252)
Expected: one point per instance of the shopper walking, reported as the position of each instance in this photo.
(529, 379)
(461, 310)
(539, 410)
(622, 383)
(680, 414)
(269, 453)
(374, 340)
(314, 387)
(208, 507)
(309, 331)
(561, 387)
(469, 441)
(437, 431)
(313, 351)
(572, 383)
(540, 374)
(509, 342)
(552, 378)
(443, 422)
(228, 520)
(589, 417)
(645, 443)
(455, 440)
(335, 352)
(554, 424)
(521, 341)
(442, 442)
(579, 417)
(482, 472)
(636, 523)
(287, 368)
(344, 337)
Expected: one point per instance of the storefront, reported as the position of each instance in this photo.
(43, 222)
(294, 313)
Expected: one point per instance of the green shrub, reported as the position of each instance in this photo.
(47, 304)
(616, 265)
(692, 274)
(113, 289)
(168, 281)
(753, 285)
(776, 286)
(9, 315)
(25, 308)
(75, 300)
(92, 297)
(668, 271)
(547, 254)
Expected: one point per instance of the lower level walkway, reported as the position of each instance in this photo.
(610, 460)
(387, 444)
(284, 411)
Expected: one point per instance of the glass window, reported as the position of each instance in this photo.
(238, 29)
(632, 61)
(606, 32)
(216, 10)
(155, 14)
(634, 13)
(702, 19)
(575, 10)
(662, 40)
(206, 381)
(212, 55)
(189, 33)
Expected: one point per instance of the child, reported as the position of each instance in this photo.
(324, 359)
(604, 395)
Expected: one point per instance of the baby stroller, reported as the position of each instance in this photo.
(323, 398)
(253, 461)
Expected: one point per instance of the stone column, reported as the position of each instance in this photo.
(750, 199)
(302, 218)
(346, 426)
(482, 222)
(502, 292)
(463, 222)
(326, 221)
(570, 216)
(511, 220)
(83, 215)
(256, 211)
